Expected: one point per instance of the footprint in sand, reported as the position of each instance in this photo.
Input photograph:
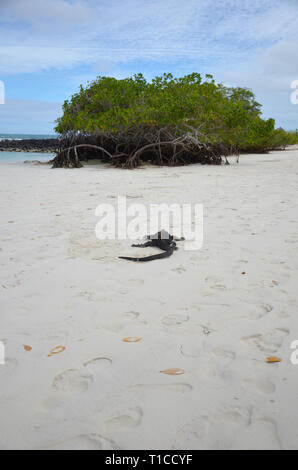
(121, 321)
(225, 426)
(262, 434)
(79, 380)
(268, 342)
(225, 356)
(292, 241)
(213, 279)
(12, 284)
(236, 415)
(218, 365)
(72, 380)
(179, 269)
(129, 419)
(216, 431)
(191, 348)
(261, 311)
(191, 435)
(263, 385)
(131, 315)
(88, 295)
(102, 363)
(213, 365)
(221, 287)
(172, 320)
(85, 442)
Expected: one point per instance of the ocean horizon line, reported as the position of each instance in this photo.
(21, 136)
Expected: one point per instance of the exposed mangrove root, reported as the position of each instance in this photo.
(139, 146)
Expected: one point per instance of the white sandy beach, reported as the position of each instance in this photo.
(196, 311)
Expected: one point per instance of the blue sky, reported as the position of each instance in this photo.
(47, 48)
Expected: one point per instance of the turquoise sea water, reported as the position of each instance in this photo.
(27, 136)
(13, 157)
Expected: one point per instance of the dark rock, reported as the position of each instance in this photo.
(30, 145)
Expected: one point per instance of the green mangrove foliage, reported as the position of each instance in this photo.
(166, 121)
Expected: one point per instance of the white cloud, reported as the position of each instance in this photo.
(269, 75)
(29, 59)
(68, 33)
(35, 12)
(281, 59)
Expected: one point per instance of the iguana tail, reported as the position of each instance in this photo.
(165, 254)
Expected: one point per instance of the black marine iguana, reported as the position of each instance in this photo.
(162, 240)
